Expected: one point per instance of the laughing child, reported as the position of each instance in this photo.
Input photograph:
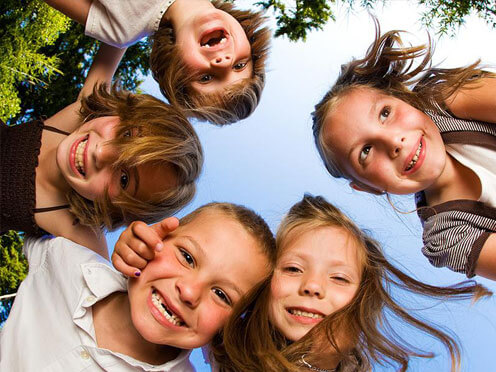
(437, 141)
(80, 314)
(208, 57)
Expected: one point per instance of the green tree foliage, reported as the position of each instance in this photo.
(13, 268)
(297, 17)
(25, 27)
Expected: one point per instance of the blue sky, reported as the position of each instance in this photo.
(268, 161)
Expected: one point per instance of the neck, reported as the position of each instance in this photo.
(115, 331)
(455, 182)
(182, 10)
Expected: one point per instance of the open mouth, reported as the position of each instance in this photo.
(213, 38)
(415, 158)
(160, 305)
(305, 314)
(79, 156)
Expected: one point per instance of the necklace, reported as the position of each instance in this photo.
(313, 368)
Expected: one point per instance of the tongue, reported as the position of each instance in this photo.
(212, 38)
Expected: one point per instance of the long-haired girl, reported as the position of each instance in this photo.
(436, 140)
(129, 157)
(324, 309)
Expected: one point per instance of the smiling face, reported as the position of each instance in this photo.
(317, 274)
(215, 49)
(384, 144)
(85, 160)
(185, 295)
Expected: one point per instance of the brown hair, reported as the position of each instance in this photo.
(164, 138)
(235, 103)
(252, 344)
(389, 67)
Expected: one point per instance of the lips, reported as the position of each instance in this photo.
(214, 39)
(416, 157)
(77, 156)
(305, 315)
(164, 311)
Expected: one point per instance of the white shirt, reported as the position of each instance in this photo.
(123, 22)
(482, 161)
(50, 326)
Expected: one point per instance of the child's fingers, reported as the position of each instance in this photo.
(124, 268)
(165, 227)
(147, 235)
(131, 257)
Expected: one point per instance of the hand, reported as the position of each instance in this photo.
(138, 243)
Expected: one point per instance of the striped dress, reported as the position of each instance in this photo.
(455, 231)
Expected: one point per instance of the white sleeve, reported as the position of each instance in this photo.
(121, 23)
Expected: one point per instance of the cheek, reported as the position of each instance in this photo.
(212, 320)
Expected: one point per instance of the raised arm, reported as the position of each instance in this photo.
(74, 9)
(486, 264)
(475, 102)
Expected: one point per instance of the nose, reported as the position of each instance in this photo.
(312, 286)
(221, 61)
(393, 143)
(105, 154)
(189, 290)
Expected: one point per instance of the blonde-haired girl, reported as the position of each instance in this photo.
(437, 141)
(324, 309)
(126, 157)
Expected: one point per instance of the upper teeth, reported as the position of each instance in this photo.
(305, 314)
(415, 157)
(164, 310)
(79, 158)
(223, 39)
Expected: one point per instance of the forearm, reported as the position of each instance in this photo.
(74, 9)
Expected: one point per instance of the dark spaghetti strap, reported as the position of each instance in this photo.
(56, 130)
(49, 209)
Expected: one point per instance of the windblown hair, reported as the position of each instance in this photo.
(251, 222)
(393, 69)
(239, 100)
(163, 138)
(252, 344)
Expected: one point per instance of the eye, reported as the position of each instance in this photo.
(205, 78)
(127, 133)
(239, 66)
(384, 113)
(364, 154)
(124, 180)
(222, 295)
(188, 259)
(292, 269)
(340, 279)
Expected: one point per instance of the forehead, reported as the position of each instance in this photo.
(153, 178)
(324, 244)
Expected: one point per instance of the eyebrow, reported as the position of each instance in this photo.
(202, 253)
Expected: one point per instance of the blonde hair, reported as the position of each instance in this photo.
(164, 138)
(252, 344)
(389, 68)
(236, 102)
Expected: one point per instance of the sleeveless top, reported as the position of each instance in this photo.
(455, 231)
(19, 149)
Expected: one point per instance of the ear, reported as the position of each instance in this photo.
(365, 188)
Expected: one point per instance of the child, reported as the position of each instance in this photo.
(436, 141)
(324, 309)
(127, 157)
(208, 57)
(74, 312)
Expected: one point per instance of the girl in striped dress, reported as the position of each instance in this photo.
(437, 140)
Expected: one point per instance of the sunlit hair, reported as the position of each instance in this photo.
(251, 222)
(236, 102)
(252, 344)
(160, 136)
(392, 69)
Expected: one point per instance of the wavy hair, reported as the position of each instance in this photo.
(164, 138)
(393, 69)
(252, 344)
(235, 103)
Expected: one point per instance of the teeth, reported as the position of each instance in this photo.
(79, 158)
(415, 157)
(305, 314)
(223, 40)
(165, 311)
(207, 45)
